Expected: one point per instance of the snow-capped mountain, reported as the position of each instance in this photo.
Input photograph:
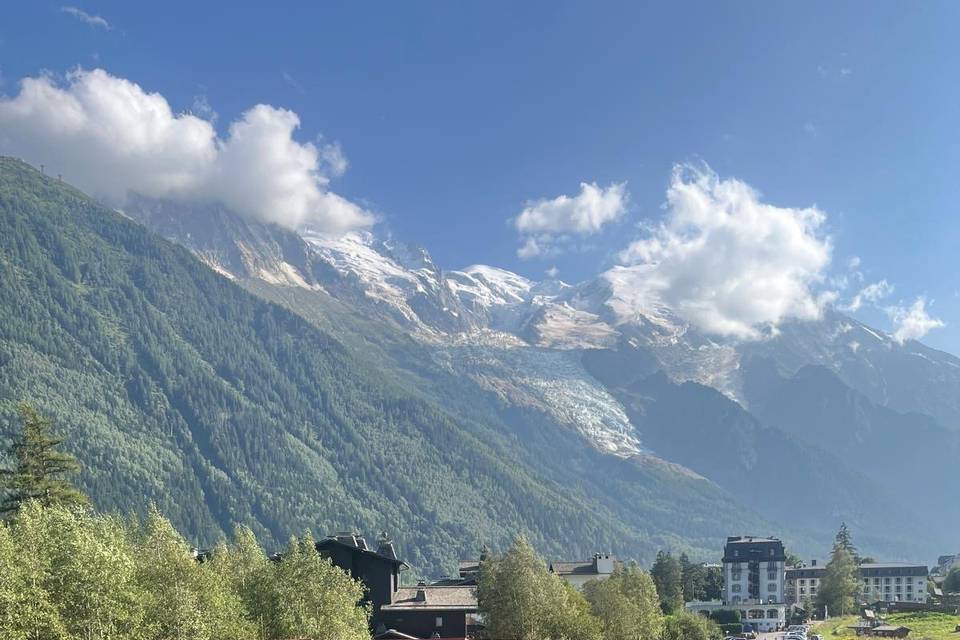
(581, 356)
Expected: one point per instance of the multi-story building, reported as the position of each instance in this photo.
(879, 582)
(753, 582)
(753, 569)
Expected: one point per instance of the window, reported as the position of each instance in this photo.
(772, 588)
(802, 581)
(773, 613)
(735, 588)
(771, 575)
(439, 622)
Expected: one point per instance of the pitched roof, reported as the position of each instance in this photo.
(364, 549)
(436, 598)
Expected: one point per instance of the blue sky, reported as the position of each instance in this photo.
(454, 116)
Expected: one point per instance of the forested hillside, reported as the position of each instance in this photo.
(177, 387)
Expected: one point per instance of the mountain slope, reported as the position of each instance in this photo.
(178, 387)
(909, 455)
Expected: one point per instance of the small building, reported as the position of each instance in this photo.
(432, 611)
(579, 572)
(889, 631)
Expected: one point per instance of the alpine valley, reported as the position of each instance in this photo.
(291, 380)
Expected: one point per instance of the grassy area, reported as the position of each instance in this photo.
(935, 626)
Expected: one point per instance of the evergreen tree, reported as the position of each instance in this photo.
(713, 583)
(668, 577)
(844, 539)
(39, 466)
(839, 587)
(626, 604)
(693, 579)
(522, 600)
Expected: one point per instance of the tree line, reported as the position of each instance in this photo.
(69, 573)
(522, 600)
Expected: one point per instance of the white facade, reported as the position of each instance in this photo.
(736, 580)
(879, 582)
(759, 617)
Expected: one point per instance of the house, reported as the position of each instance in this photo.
(379, 569)
(402, 613)
(579, 572)
(432, 611)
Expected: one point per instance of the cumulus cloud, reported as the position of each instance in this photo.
(546, 225)
(83, 16)
(111, 138)
(871, 293)
(729, 263)
(912, 322)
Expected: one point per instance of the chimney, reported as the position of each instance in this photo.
(813, 563)
(385, 546)
(421, 592)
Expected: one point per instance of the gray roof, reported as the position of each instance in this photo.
(892, 565)
(436, 598)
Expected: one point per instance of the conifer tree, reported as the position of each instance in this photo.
(39, 467)
(839, 586)
(668, 576)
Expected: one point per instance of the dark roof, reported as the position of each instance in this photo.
(805, 572)
(435, 598)
(359, 547)
(749, 539)
(747, 548)
(468, 566)
(892, 569)
(581, 567)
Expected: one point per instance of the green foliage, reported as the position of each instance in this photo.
(839, 586)
(924, 625)
(522, 600)
(316, 612)
(844, 539)
(626, 604)
(713, 583)
(693, 578)
(71, 574)
(668, 576)
(684, 625)
(179, 388)
(725, 616)
(951, 584)
(39, 466)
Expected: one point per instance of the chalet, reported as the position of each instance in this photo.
(402, 613)
(432, 611)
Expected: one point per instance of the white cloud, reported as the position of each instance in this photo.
(111, 138)
(552, 272)
(729, 263)
(83, 16)
(913, 322)
(871, 293)
(546, 224)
